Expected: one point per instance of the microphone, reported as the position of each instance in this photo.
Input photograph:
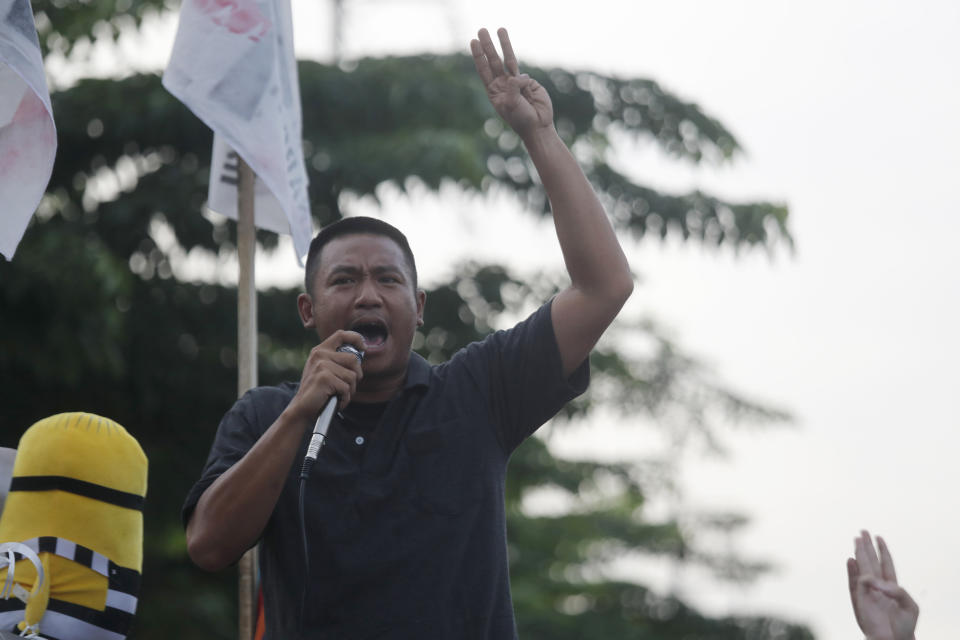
(320, 428)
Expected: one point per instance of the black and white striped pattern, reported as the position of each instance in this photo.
(69, 621)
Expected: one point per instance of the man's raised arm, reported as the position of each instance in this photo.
(600, 278)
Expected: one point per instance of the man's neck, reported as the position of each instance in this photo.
(375, 389)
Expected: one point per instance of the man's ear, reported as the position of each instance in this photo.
(421, 303)
(305, 309)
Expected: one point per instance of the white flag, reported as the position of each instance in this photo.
(28, 138)
(233, 66)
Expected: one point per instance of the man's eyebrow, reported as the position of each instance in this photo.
(343, 268)
(387, 268)
(353, 270)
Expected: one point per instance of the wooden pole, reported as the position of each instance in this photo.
(337, 31)
(246, 367)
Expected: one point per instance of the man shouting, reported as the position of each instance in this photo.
(399, 531)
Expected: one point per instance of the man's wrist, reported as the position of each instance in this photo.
(297, 413)
(541, 138)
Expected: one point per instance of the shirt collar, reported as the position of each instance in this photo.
(418, 372)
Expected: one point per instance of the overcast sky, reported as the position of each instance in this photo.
(848, 113)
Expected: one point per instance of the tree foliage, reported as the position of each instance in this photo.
(94, 317)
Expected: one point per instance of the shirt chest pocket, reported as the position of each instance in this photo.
(448, 467)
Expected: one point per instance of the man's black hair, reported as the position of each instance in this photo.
(355, 226)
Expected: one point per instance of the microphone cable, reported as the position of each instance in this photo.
(317, 440)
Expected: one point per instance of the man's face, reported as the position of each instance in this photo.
(363, 284)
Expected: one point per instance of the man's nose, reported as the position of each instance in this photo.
(368, 294)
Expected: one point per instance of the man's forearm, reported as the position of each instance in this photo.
(593, 257)
(232, 513)
(600, 279)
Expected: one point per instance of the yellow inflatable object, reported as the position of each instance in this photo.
(76, 499)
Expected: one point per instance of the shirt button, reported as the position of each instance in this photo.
(359, 440)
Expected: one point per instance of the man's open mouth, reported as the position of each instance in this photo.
(374, 333)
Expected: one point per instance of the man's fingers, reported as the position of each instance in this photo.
(490, 51)
(341, 388)
(893, 591)
(853, 576)
(341, 379)
(905, 600)
(336, 364)
(899, 594)
(887, 569)
(871, 552)
(866, 555)
(341, 337)
(481, 62)
(530, 87)
(331, 372)
(509, 57)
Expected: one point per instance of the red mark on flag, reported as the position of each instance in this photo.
(237, 16)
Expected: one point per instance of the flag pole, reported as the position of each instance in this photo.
(246, 366)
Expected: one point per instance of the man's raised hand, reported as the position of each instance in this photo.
(517, 98)
(884, 610)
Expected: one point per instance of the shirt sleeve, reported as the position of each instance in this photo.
(235, 436)
(524, 377)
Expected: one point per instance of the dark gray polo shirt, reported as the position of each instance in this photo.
(407, 538)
